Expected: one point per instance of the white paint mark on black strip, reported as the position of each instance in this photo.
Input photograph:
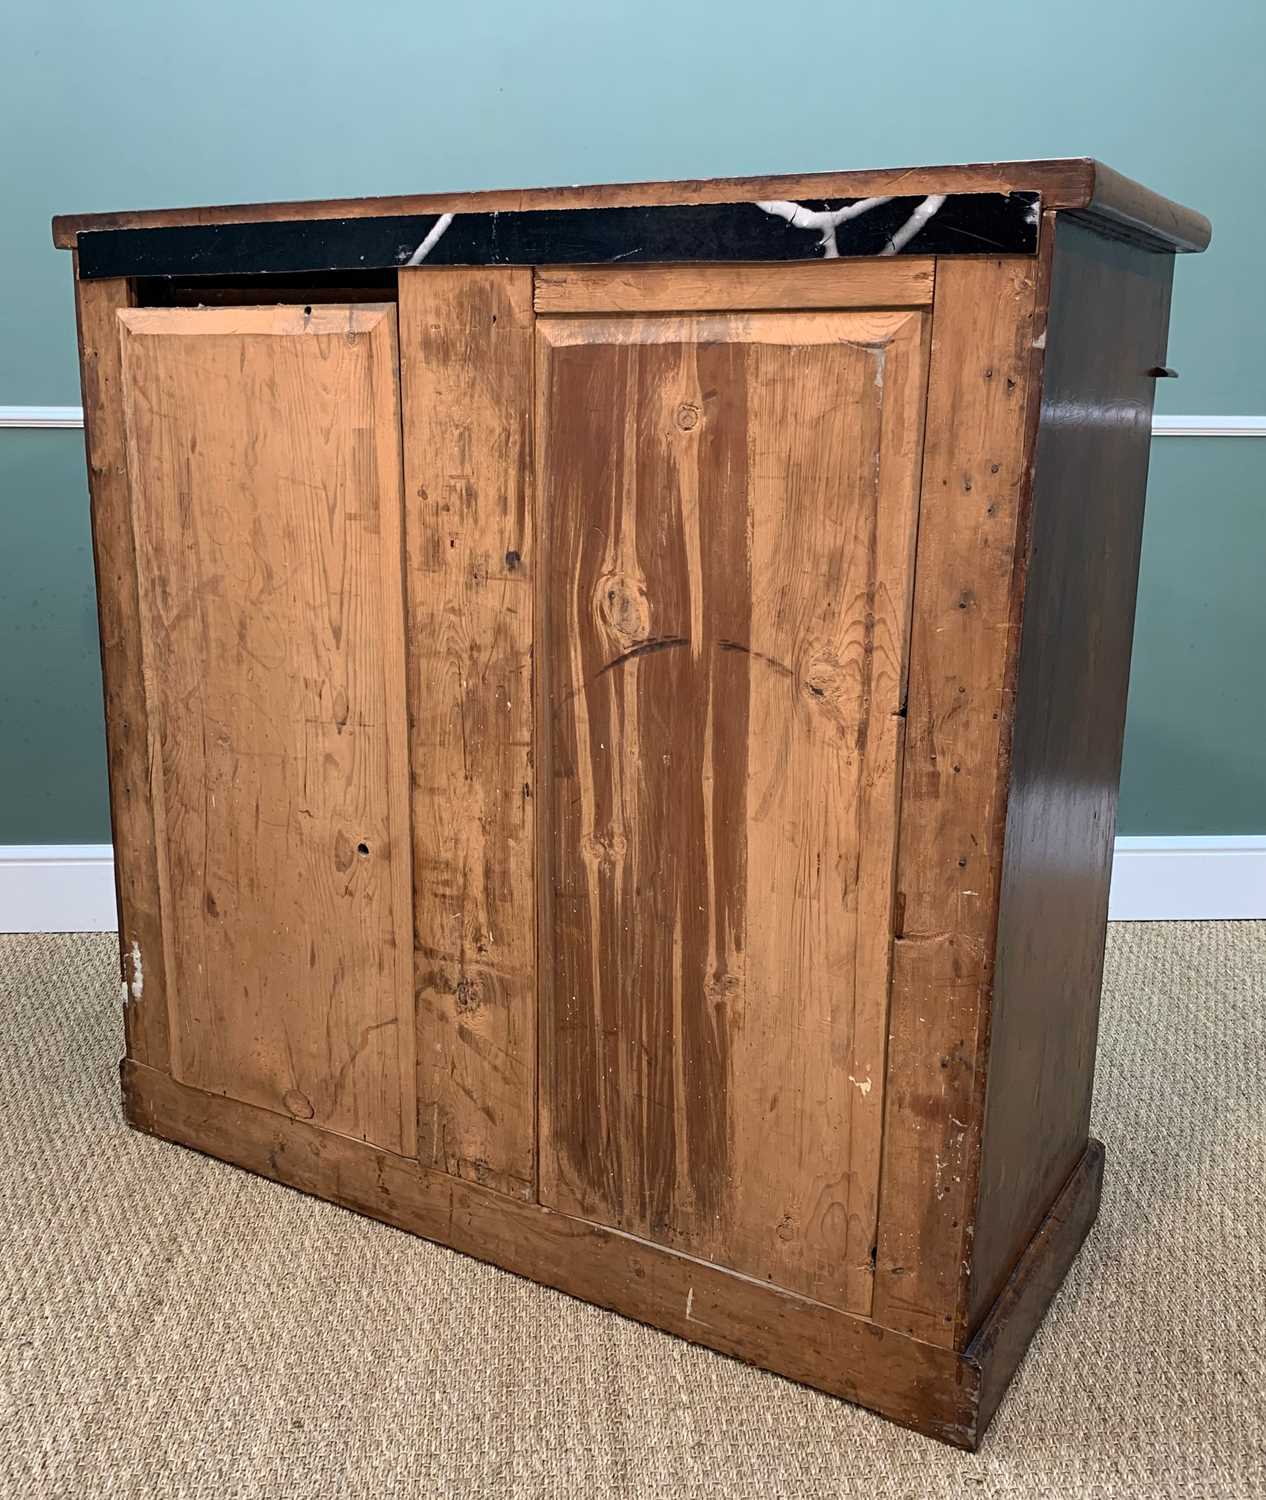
(914, 224)
(430, 242)
(825, 220)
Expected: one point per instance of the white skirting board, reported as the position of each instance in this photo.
(57, 888)
(1162, 425)
(1194, 878)
(70, 887)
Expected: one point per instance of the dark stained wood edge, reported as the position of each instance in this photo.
(1123, 209)
(999, 1346)
(923, 1386)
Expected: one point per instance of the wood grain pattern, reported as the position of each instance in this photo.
(466, 371)
(705, 288)
(730, 505)
(132, 764)
(264, 466)
(1107, 327)
(953, 804)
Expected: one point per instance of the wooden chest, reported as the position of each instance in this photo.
(615, 701)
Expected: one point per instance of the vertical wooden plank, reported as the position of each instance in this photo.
(833, 529)
(135, 788)
(898, 478)
(264, 467)
(466, 349)
(724, 640)
(962, 651)
(635, 1074)
(1107, 327)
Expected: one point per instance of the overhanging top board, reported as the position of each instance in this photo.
(1113, 204)
(771, 230)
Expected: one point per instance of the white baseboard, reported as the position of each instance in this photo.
(57, 888)
(41, 416)
(1203, 877)
(70, 887)
(1162, 426)
(1211, 426)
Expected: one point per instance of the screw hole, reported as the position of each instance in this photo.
(362, 850)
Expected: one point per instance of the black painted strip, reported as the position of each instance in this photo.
(962, 224)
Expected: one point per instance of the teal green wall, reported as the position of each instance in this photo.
(146, 103)
(52, 750)
(1195, 760)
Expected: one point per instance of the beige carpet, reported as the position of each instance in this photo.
(174, 1327)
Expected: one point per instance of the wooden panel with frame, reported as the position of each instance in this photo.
(264, 471)
(731, 505)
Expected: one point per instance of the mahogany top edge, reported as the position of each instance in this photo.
(1115, 204)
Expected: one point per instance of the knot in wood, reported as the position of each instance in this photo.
(344, 852)
(298, 1103)
(622, 608)
(605, 848)
(468, 992)
(720, 987)
(824, 680)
